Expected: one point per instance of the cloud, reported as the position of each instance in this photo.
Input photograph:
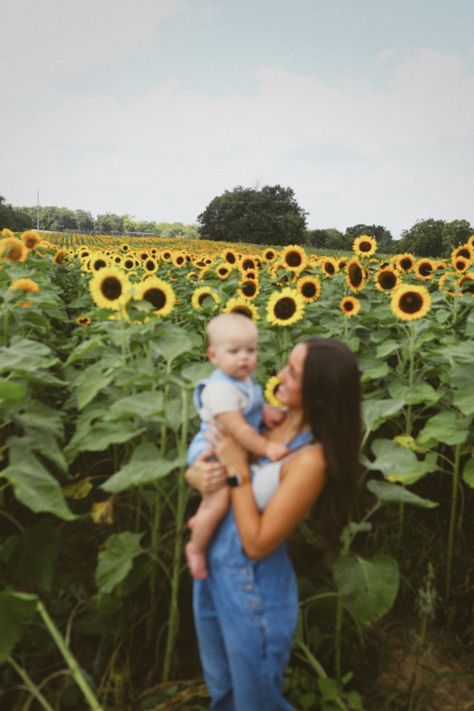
(389, 154)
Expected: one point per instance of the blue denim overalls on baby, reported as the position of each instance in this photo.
(252, 411)
(245, 614)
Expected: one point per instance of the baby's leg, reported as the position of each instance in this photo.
(210, 513)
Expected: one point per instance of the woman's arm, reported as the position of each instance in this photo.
(303, 478)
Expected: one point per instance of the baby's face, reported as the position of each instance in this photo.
(235, 355)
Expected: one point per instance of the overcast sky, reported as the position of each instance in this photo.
(153, 107)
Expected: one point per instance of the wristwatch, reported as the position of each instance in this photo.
(238, 479)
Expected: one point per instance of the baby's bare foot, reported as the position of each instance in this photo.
(196, 561)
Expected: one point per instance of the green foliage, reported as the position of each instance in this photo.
(267, 216)
(434, 238)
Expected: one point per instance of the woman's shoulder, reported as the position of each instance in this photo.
(307, 458)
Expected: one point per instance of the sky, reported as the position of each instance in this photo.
(151, 108)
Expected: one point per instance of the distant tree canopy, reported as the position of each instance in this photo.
(267, 216)
(329, 239)
(434, 238)
(13, 218)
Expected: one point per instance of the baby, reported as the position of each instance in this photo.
(231, 397)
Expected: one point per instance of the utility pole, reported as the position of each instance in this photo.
(37, 208)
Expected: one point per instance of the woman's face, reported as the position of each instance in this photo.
(291, 378)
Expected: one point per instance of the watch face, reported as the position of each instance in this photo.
(233, 480)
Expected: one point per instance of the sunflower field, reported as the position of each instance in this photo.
(101, 342)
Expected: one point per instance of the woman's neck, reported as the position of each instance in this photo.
(292, 425)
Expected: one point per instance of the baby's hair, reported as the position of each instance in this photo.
(224, 324)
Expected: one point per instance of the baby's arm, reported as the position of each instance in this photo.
(248, 437)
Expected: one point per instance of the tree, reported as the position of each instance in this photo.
(13, 218)
(326, 239)
(267, 216)
(109, 223)
(434, 238)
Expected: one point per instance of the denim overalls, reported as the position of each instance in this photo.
(245, 614)
(252, 411)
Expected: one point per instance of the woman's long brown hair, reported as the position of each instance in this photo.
(332, 408)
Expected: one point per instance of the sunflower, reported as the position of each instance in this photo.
(166, 255)
(150, 265)
(60, 257)
(355, 274)
(424, 269)
(349, 305)
(13, 249)
(445, 284)
(470, 240)
(269, 254)
(466, 283)
(110, 288)
(158, 293)
(410, 302)
(83, 321)
(205, 296)
(30, 239)
(97, 263)
(250, 274)
(247, 262)
(405, 262)
(329, 266)
(129, 263)
(271, 387)
(125, 247)
(386, 279)
(461, 264)
(25, 285)
(178, 259)
(223, 271)
(192, 276)
(464, 250)
(285, 307)
(242, 306)
(364, 246)
(309, 287)
(7, 232)
(294, 258)
(248, 289)
(229, 256)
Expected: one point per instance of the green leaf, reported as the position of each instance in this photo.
(445, 427)
(43, 427)
(369, 586)
(376, 412)
(396, 494)
(174, 413)
(145, 406)
(171, 343)
(462, 381)
(145, 467)
(91, 381)
(116, 559)
(11, 393)
(26, 355)
(97, 436)
(16, 612)
(414, 394)
(468, 473)
(34, 487)
(196, 371)
(387, 348)
(398, 463)
(375, 371)
(91, 345)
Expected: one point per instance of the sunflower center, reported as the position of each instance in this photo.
(308, 289)
(99, 264)
(293, 259)
(111, 288)
(348, 306)
(202, 298)
(156, 297)
(365, 246)
(411, 302)
(387, 280)
(249, 288)
(285, 308)
(406, 264)
(230, 257)
(248, 264)
(329, 268)
(355, 275)
(150, 265)
(243, 310)
(425, 269)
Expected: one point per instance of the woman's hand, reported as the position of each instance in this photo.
(229, 452)
(206, 474)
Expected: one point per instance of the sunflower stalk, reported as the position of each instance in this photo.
(173, 622)
(69, 658)
(452, 521)
(30, 685)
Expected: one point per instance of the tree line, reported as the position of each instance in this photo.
(267, 215)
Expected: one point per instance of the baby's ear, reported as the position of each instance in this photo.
(211, 354)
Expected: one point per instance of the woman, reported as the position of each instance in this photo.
(246, 609)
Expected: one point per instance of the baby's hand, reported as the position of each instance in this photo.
(275, 450)
(273, 415)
